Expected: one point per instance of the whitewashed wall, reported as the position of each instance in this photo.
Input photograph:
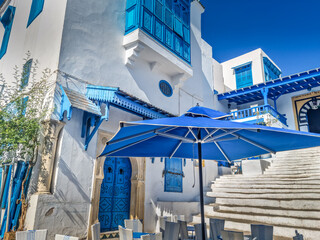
(42, 38)
(256, 57)
(154, 188)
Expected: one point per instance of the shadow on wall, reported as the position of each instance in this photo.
(65, 170)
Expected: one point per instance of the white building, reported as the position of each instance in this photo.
(126, 60)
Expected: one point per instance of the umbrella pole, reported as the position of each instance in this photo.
(201, 188)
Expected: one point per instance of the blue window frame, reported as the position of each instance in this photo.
(36, 9)
(26, 73)
(167, 21)
(243, 75)
(165, 88)
(271, 72)
(7, 21)
(173, 175)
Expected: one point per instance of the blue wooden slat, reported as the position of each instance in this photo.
(36, 9)
(7, 22)
(6, 189)
(173, 175)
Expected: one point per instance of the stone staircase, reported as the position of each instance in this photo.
(286, 196)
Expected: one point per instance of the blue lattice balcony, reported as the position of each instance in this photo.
(158, 32)
(265, 115)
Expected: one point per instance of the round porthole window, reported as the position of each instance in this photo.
(165, 88)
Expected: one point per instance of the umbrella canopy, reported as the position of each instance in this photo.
(221, 140)
(199, 134)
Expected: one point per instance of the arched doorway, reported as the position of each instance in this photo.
(115, 193)
(308, 118)
(313, 116)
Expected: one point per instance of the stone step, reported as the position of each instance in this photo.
(264, 178)
(311, 167)
(263, 211)
(312, 224)
(279, 233)
(293, 172)
(279, 182)
(267, 179)
(270, 186)
(303, 204)
(280, 196)
(286, 164)
(264, 190)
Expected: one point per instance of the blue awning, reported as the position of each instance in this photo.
(276, 88)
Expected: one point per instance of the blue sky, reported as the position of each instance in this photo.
(287, 30)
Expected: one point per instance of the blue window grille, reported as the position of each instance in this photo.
(36, 9)
(243, 75)
(167, 21)
(7, 21)
(26, 73)
(271, 72)
(165, 88)
(173, 175)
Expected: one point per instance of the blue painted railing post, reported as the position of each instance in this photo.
(264, 92)
(275, 104)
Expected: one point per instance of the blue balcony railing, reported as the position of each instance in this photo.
(258, 111)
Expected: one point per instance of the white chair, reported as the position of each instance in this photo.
(32, 235)
(162, 222)
(183, 230)
(145, 237)
(198, 232)
(125, 234)
(171, 231)
(216, 225)
(95, 231)
(133, 224)
(262, 232)
(231, 235)
(156, 236)
(64, 237)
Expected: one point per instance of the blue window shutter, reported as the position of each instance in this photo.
(173, 175)
(7, 21)
(244, 76)
(36, 9)
(26, 73)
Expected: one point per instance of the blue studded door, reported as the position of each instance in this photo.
(115, 193)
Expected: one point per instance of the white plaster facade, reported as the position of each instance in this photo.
(84, 43)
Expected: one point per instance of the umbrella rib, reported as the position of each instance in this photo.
(132, 144)
(135, 135)
(254, 143)
(172, 136)
(226, 139)
(179, 144)
(223, 153)
(210, 134)
(222, 135)
(195, 137)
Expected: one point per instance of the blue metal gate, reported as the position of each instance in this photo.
(115, 193)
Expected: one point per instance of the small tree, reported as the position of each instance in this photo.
(22, 108)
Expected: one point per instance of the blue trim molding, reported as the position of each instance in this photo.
(117, 98)
(7, 21)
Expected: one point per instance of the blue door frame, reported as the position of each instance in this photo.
(115, 193)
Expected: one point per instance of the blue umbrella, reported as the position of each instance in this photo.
(200, 133)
